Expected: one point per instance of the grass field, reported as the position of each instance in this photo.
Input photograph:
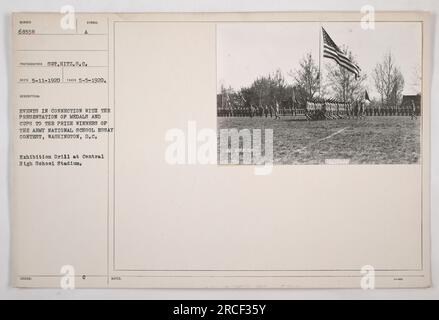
(372, 140)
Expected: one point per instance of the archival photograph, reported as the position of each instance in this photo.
(319, 92)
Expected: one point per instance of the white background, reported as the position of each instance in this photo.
(8, 6)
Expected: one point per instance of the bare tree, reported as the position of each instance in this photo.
(389, 81)
(307, 76)
(343, 83)
(265, 90)
(398, 86)
(378, 76)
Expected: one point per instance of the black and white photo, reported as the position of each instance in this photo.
(331, 92)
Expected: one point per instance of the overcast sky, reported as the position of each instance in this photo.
(249, 50)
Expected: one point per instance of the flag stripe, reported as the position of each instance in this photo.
(341, 63)
(340, 59)
(335, 51)
(344, 64)
(341, 56)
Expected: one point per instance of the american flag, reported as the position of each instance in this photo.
(331, 51)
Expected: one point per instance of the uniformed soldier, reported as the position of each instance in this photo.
(276, 111)
(413, 111)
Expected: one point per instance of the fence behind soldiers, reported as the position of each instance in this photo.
(318, 110)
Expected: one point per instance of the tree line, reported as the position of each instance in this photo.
(340, 85)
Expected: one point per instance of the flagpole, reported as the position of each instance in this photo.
(320, 58)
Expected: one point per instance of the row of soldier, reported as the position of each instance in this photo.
(313, 109)
(252, 111)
